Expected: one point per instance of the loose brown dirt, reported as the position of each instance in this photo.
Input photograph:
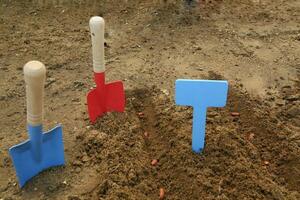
(255, 45)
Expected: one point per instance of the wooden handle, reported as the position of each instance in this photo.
(34, 75)
(97, 34)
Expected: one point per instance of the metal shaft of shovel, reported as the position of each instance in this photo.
(106, 97)
(42, 150)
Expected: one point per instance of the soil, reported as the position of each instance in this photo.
(254, 44)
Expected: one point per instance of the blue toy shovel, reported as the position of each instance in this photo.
(42, 150)
(200, 94)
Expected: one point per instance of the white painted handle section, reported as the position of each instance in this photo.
(34, 74)
(97, 34)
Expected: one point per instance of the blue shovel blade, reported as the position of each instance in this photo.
(51, 154)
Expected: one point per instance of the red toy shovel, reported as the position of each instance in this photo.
(105, 97)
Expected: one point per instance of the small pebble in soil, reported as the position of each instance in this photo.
(165, 91)
(50, 81)
(85, 158)
(161, 193)
(235, 114)
(78, 169)
(78, 84)
(154, 162)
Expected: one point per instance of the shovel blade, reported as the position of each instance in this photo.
(115, 96)
(111, 99)
(52, 154)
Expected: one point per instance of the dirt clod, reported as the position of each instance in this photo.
(104, 187)
(251, 136)
(74, 197)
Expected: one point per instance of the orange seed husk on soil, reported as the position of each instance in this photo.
(235, 114)
(161, 193)
(141, 114)
(146, 134)
(266, 162)
(154, 162)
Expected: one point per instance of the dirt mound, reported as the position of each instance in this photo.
(244, 156)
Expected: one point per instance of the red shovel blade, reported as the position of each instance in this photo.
(115, 96)
(95, 108)
(105, 98)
